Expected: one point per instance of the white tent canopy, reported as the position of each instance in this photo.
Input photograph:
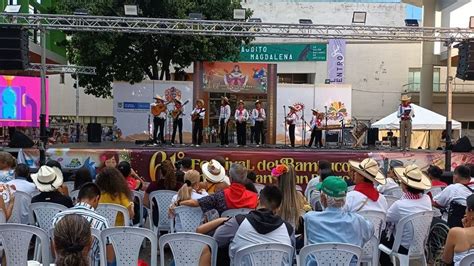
(424, 120)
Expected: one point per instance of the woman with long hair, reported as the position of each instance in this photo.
(166, 181)
(72, 241)
(114, 189)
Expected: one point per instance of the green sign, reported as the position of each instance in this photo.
(281, 52)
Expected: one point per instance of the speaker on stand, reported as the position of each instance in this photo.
(372, 137)
(94, 132)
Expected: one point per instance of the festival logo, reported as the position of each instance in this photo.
(172, 93)
(337, 111)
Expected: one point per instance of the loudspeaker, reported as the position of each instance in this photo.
(372, 136)
(94, 132)
(20, 140)
(462, 145)
(465, 69)
(332, 136)
(13, 48)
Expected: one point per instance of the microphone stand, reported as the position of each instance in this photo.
(303, 131)
(284, 121)
(326, 125)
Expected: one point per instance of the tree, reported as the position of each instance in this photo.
(134, 57)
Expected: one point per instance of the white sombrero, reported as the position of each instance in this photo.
(412, 176)
(48, 178)
(405, 98)
(370, 169)
(214, 171)
(158, 97)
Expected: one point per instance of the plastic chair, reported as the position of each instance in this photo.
(17, 237)
(468, 260)
(44, 213)
(259, 187)
(370, 251)
(21, 207)
(74, 195)
(419, 226)
(265, 254)
(187, 248)
(162, 200)
(330, 254)
(394, 191)
(110, 212)
(69, 185)
(139, 195)
(3, 219)
(434, 191)
(96, 235)
(234, 212)
(190, 219)
(127, 242)
(390, 200)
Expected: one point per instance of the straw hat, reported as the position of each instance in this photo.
(412, 176)
(200, 101)
(315, 110)
(158, 97)
(213, 171)
(405, 98)
(257, 101)
(293, 108)
(176, 99)
(225, 99)
(241, 102)
(370, 169)
(48, 178)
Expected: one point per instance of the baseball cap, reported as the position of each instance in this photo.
(333, 186)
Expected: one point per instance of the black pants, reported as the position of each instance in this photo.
(224, 132)
(291, 132)
(159, 122)
(316, 136)
(384, 258)
(259, 133)
(242, 133)
(197, 132)
(252, 134)
(178, 125)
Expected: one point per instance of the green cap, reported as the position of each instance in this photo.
(333, 186)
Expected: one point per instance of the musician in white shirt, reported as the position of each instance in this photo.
(258, 114)
(291, 119)
(316, 132)
(159, 120)
(405, 113)
(198, 115)
(224, 116)
(178, 121)
(241, 117)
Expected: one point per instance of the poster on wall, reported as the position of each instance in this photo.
(336, 60)
(132, 107)
(337, 99)
(235, 77)
(20, 103)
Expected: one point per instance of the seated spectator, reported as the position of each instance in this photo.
(391, 178)
(48, 181)
(133, 180)
(458, 191)
(233, 197)
(413, 183)
(186, 164)
(251, 185)
(72, 241)
(322, 166)
(435, 173)
(81, 177)
(365, 197)
(471, 170)
(216, 179)
(53, 163)
(7, 166)
(166, 180)
(87, 202)
(115, 190)
(7, 210)
(460, 241)
(23, 181)
(315, 196)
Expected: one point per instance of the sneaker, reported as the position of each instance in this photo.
(197, 146)
(172, 144)
(182, 144)
(258, 146)
(227, 146)
(192, 145)
(238, 146)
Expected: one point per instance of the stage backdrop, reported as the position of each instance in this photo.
(337, 98)
(132, 106)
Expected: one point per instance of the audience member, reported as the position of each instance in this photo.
(115, 190)
(48, 181)
(109, 159)
(7, 165)
(315, 195)
(471, 170)
(186, 164)
(81, 177)
(7, 210)
(390, 177)
(322, 166)
(365, 197)
(23, 181)
(133, 180)
(435, 173)
(413, 183)
(460, 241)
(458, 191)
(72, 241)
(166, 181)
(216, 179)
(63, 188)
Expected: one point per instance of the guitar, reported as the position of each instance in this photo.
(156, 110)
(176, 112)
(195, 116)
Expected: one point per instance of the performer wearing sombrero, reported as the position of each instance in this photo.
(405, 113)
(291, 119)
(197, 116)
(258, 114)
(241, 117)
(178, 121)
(316, 132)
(224, 116)
(159, 120)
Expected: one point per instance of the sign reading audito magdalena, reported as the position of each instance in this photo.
(283, 52)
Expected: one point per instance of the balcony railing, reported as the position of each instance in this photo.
(441, 87)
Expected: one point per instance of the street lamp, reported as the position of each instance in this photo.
(239, 14)
(359, 17)
(131, 10)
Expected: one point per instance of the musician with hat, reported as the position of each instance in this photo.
(406, 114)
(258, 114)
(158, 110)
(224, 116)
(178, 114)
(241, 117)
(291, 119)
(316, 132)
(197, 116)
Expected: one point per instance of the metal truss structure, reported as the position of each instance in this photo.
(67, 69)
(234, 28)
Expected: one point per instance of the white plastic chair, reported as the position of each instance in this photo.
(139, 195)
(419, 226)
(394, 191)
(390, 200)
(259, 187)
(96, 235)
(265, 254)
(434, 191)
(110, 212)
(234, 212)
(370, 251)
(69, 185)
(162, 200)
(127, 242)
(187, 248)
(16, 239)
(330, 254)
(44, 213)
(468, 260)
(189, 217)
(3, 219)
(20, 208)
(74, 195)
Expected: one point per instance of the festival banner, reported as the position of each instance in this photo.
(283, 52)
(336, 57)
(235, 77)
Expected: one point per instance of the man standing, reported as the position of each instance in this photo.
(224, 116)
(178, 114)
(258, 114)
(291, 119)
(197, 116)
(316, 132)
(405, 113)
(159, 118)
(241, 117)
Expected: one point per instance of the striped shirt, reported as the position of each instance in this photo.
(97, 221)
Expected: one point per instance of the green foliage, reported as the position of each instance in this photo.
(133, 57)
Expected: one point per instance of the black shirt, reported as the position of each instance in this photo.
(53, 197)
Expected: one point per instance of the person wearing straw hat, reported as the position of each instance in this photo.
(258, 114)
(224, 116)
(197, 116)
(413, 182)
(316, 132)
(216, 179)
(390, 176)
(406, 114)
(365, 197)
(178, 120)
(48, 180)
(159, 120)
(291, 119)
(241, 117)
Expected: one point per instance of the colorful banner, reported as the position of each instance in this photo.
(336, 57)
(20, 103)
(283, 52)
(235, 77)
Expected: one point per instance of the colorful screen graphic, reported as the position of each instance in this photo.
(20, 101)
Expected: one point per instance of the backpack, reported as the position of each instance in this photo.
(456, 212)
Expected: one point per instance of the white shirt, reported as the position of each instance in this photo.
(200, 111)
(389, 185)
(224, 113)
(291, 118)
(356, 202)
(259, 115)
(405, 112)
(181, 115)
(241, 116)
(451, 192)
(23, 186)
(314, 122)
(162, 114)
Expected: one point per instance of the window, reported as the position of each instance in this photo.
(295, 78)
(13, 2)
(61, 78)
(414, 79)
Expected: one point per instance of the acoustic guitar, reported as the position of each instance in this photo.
(176, 112)
(156, 110)
(195, 116)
